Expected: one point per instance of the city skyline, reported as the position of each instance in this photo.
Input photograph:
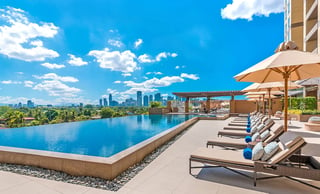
(67, 52)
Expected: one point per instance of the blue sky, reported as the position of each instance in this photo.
(71, 51)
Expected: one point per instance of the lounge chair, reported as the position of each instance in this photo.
(282, 164)
(242, 133)
(230, 143)
(242, 126)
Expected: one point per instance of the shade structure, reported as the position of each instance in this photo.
(282, 66)
(269, 87)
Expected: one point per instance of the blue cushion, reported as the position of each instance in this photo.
(257, 151)
(247, 153)
(270, 150)
(248, 139)
(248, 129)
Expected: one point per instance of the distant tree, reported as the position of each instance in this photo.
(107, 112)
(51, 114)
(155, 104)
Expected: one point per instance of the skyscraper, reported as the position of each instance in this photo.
(150, 98)
(110, 100)
(30, 104)
(139, 98)
(100, 102)
(157, 97)
(145, 100)
(105, 103)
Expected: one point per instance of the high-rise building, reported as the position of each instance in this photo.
(110, 100)
(145, 100)
(301, 18)
(150, 98)
(30, 104)
(157, 97)
(139, 98)
(100, 102)
(105, 103)
(170, 98)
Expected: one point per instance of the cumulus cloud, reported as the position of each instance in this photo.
(54, 76)
(126, 74)
(53, 65)
(28, 84)
(155, 82)
(76, 61)
(148, 59)
(56, 88)
(116, 60)
(116, 43)
(244, 9)
(20, 38)
(155, 73)
(138, 42)
(165, 55)
(117, 82)
(190, 76)
(145, 59)
(10, 82)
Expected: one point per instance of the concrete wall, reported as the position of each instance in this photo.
(245, 106)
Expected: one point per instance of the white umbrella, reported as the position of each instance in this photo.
(282, 66)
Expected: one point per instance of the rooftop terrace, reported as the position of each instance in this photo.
(169, 172)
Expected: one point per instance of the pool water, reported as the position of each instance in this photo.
(104, 137)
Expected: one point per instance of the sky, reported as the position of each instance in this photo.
(72, 51)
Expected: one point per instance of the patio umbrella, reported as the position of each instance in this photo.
(282, 66)
(269, 87)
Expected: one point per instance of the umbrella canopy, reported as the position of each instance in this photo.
(270, 86)
(281, 66)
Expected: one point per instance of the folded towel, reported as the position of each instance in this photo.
(248, 129)
(248, 139)
(247, 153)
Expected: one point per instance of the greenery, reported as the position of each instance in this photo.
(155, 104)
(44, 115)
(306, 103)
(304, 112)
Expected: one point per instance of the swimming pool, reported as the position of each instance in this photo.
(103, 138)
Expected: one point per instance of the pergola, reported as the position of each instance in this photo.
(208, 95)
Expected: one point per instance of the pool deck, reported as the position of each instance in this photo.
(168, 173)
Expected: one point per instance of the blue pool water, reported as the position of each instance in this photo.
(104, 137)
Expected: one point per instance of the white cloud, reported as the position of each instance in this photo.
(190, 76)
(20, 73)
(126, 74)
(155, 82)
(148, 59)
(143, 90)
(57, 88)
(138, 42)
(165, 55)
(116, 43)
(117, 82)
(177, 67)
(156, 73)
(28, 84)
(246, 9)
(145, 59)
(53, 65)
(20, 38)
(115, 60)
(10, 82)
(76, 61)
(53, 76)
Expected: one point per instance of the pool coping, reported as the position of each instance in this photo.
(84, 165)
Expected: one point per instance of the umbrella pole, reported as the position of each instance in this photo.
(286, 76)
(263, 105)
(269, 104)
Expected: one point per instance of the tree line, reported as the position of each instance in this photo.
(13, 117)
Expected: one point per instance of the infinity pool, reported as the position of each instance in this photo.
(104, 137)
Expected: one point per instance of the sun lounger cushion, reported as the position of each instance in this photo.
(260, 127)
(255, 136)
(257, 151)
(270, 150)
(254, 129)
(265, 135)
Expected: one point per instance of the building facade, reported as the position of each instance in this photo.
(145, 100)
(139, 98)
(301, 18)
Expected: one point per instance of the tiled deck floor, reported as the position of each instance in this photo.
(169, 172)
